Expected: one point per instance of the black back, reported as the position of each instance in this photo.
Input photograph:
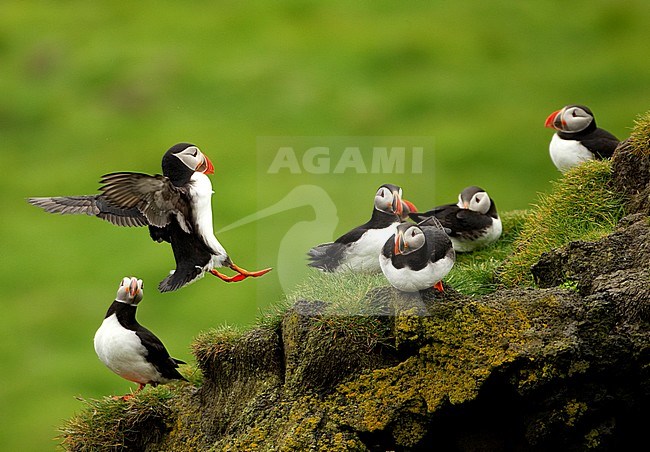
(436, 247)
(459, 221)
(599, 141)
(190, 253)
(378, 220)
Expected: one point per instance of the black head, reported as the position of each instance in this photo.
(182, 160)
(476, 199)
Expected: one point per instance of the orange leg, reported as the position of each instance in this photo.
(241, 274)
(439, 287)
(131, 395)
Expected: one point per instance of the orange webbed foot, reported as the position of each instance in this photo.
(241, 274)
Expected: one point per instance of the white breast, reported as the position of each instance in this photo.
(200, 190)
(408, 280)
(566, 154)
(121, 351)
(362, 256)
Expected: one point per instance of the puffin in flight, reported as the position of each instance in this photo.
(129, 349)
(358, 249)
(417, 256)
(473, 221)
(176, 206)
(577, 138)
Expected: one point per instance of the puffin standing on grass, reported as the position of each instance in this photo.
(358, 249)
(175, 206)
(577, 139)
(473, 222)
(129, 349)
(417, 256)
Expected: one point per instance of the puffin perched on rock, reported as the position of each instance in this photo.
(577, 138)
(129, 349)
(473, 221)
(358, 249)
(176, 206)
(417, 256)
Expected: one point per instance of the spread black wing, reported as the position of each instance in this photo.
(155, 196)
(94, 205)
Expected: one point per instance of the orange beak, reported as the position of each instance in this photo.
(550, 121)
(409, 205)
(399, 243)
(397, 204)
(205, 166)
(133, 287)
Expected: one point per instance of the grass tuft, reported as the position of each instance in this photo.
(475, 273)
(581, 206)
(639, 140)
(110, 424)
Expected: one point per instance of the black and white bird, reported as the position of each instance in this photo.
(176, 206)
(129, 349)
(417, 256)
(473, 221)
(577, 139)
(358, 249)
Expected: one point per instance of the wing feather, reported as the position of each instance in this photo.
(155, 196)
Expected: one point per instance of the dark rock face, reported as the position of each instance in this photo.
(614, 269)
(631, 176)
(520, 370)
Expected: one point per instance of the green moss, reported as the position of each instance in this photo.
(458, 349)
(574, 410)
(581, 206)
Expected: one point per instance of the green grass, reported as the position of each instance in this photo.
(91, 88)
(639, 140)
(118, 424)
(581, 206)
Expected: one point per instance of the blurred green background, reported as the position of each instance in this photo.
(88, 88)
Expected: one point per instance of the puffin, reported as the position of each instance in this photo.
(578, 139)
(176, 207)
(417, 256)
(473, 222)
(129, 349)
(358, 249)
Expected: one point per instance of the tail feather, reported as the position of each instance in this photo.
(179, 278)
(327, 257)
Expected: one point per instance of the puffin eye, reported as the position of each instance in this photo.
(477, 199)
(573, 113)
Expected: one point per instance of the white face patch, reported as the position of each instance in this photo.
(575, 119)
(480, 202)
(191, 157)
(384, 200)
(413, 239)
